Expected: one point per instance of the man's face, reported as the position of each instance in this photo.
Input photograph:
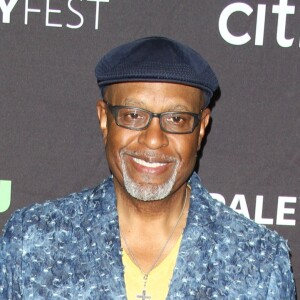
(151, 164)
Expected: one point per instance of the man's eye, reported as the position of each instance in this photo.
(130, 115)
(133, 115)
(176, 119)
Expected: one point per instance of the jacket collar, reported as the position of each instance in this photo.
(197, 245)
(103, 218)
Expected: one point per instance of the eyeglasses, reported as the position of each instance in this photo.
(135, 118)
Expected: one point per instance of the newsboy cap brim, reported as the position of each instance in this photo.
(156, 59)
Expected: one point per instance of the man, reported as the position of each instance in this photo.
(150, 231)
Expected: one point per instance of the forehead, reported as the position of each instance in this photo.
(155, 95)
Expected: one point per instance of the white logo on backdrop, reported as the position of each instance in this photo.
(284, 214)
(282, 10)
(47, 8)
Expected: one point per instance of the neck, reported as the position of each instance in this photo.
(150, 230)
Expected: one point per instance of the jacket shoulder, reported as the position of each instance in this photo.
(53, 213)
(222, 218)
(241, 259)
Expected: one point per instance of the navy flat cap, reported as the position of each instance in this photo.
(156, 59)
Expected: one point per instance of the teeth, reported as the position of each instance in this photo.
(148, 164)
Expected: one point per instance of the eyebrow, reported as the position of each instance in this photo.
(132, 102)
(141, 104)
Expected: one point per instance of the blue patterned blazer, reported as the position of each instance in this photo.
(70, 249)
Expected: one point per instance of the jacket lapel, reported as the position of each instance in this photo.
(104, 226)
(191, 273)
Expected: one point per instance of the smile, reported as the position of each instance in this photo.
(148, 164)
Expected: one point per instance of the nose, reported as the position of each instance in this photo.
(153, 137)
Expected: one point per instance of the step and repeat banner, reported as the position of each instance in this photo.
(50, 144)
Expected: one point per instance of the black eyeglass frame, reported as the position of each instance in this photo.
(114, 109)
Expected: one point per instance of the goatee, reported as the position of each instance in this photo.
(148, 191)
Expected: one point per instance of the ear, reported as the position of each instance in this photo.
(102, 116)
(203, 124)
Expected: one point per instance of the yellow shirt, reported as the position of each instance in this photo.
(158, 279)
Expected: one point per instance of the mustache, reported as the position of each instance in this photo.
(149, 154)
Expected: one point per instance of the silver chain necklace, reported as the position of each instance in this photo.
(143, 296)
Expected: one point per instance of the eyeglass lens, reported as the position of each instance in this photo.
(135, 118)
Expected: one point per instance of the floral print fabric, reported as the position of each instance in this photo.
(70, 249)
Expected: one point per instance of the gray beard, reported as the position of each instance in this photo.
(148, 191)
